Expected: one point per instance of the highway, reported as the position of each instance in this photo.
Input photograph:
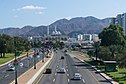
(72, 65)
(7, 76)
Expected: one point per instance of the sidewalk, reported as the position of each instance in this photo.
(29, 76)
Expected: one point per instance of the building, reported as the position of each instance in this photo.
(95, 37)
(35, 38)
(87, 37)
(80, 37)
(55, 36)
(120, 20)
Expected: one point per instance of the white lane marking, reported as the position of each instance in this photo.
(83, 80)
(6, 76)
(68, 80)
(53, 80)
(76, 66)
(67, 69)
(55, 74)
(67, 74)
(57, 66)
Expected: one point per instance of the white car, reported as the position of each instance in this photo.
(12, 68)
(77, 76)
(61, 70)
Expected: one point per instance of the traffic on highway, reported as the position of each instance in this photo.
(7, 72)
(65, 68)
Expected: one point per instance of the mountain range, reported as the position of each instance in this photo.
(78, 25)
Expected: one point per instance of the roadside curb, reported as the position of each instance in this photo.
(102, 74)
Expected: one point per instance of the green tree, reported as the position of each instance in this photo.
(122, 58)
(113, 35)
(5, 41)
(21, 44)
(104, 53)
(96, 47)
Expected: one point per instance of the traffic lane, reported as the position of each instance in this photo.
(85, 71)
(89, 73)
(55, 78)
(6, 75)
(62, 78)
(48, 78)
(74, 54)
(72, 70)
(9, 76)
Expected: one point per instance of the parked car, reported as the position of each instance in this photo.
(77, 76)
(48, 71)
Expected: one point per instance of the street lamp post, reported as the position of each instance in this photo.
(42, 57)
(15, 62)
(34, 61)
(28, 60)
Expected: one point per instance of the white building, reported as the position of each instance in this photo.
(95, 37)
(120, 20)
(80, 37)
(87, 37)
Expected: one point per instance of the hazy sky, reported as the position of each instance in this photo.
(18, 13)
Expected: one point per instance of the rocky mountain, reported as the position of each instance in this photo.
(68, 27)
(16, 31)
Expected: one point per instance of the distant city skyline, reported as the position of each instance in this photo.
(19, 13)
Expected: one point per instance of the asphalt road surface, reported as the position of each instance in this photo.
(72, 66)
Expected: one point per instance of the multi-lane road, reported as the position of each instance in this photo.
(7, 76)
(72, 65)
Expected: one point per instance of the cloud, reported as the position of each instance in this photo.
(31, 7)
(39, 13)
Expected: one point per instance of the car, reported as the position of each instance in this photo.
(61, 70)
(48, 71)
(62, 57)
(11, 68)
(77, 76)
(65, 50)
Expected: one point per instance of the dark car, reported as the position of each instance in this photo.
(65, 51)
(62, 57)
(48, 71)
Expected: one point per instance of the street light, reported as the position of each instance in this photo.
(34, 60)
(15, 64)
(28, 60)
